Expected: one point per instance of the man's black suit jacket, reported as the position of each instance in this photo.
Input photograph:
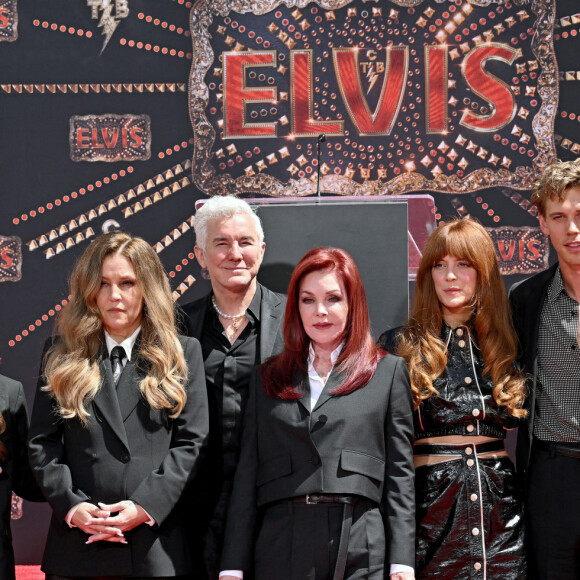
(204, 494)
(527, 300)
(128, 450)
(272, 309)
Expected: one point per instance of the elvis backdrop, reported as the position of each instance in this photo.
(122, 113)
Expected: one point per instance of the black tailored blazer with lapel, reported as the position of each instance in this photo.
(527, 300)
(273, 306)
(15, 474)
(128, 450)
(204, 494)
(359, 444)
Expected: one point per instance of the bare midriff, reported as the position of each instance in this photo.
(420, 460)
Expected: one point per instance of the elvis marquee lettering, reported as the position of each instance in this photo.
(348, 68)
(451, 96)
(110, 137)
(520, 250)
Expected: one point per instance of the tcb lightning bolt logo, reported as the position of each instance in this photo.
(108, 13)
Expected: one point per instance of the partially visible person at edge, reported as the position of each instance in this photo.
(324, 487)
(545, 309)
(15, 474)
(239, 325)
(119, 421)
(460, 348)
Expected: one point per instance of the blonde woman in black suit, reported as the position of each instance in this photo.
(114, 441)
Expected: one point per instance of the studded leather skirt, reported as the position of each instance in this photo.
(469, 517)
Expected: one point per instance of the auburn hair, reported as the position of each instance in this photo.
(360, 355)
(420, 343)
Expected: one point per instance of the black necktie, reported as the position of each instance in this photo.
(117, 356)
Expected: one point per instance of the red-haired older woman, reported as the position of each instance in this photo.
(460, 347)
(324, 487)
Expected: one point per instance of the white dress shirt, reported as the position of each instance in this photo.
(127, 344)
(316, 381)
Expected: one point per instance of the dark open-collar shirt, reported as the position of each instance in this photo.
(228, 368)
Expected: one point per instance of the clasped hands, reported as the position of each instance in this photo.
(108, 522)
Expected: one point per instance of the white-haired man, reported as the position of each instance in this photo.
(239, 325)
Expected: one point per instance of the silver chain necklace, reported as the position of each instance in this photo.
(235, 319)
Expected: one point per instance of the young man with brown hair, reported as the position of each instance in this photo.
(545, 309)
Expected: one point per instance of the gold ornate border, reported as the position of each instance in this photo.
(204, 174)
(12, 34)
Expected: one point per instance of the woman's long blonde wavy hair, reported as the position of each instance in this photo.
(420, 343)
(72, 364)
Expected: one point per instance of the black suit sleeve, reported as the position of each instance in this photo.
(516, 309)
(46, 451)
(398, 504)
(524, 323)
(23, 482)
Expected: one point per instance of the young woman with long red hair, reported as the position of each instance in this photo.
(324, 486)
(460, 348)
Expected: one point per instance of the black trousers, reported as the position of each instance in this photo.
(553, 516)
(300, 542)
(213, 539)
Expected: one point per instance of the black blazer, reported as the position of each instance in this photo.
(204, 494)
(527, 300)
(360, 444)
(15, 474)
(272, 307)
(127, 451)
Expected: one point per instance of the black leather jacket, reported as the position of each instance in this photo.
(465, 404)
